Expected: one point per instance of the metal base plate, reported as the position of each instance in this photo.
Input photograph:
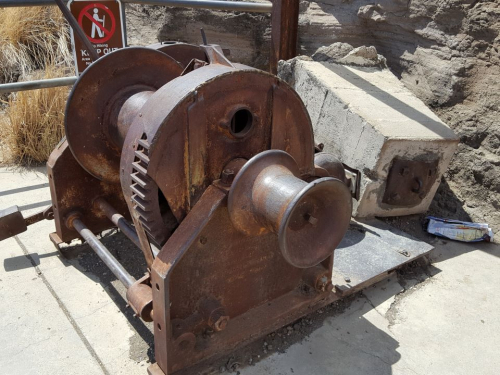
(369, 251)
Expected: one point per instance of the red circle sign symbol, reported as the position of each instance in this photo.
(88, 13)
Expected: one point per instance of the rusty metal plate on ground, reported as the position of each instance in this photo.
(409, 181)
(369, 251)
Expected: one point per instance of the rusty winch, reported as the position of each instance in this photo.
(214, 163)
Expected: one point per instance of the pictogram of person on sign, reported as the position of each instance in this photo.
(95, 27)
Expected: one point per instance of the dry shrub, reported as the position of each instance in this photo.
(31, 39)
(34, 44)
(35, 122)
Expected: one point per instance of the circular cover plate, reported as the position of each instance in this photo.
(86, 118)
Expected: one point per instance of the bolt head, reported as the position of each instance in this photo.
(221, 323)
(227, 176)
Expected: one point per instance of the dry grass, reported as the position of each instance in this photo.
(35, 122)
(33, 45)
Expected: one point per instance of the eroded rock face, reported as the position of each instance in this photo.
(444, 51)
(245, 35)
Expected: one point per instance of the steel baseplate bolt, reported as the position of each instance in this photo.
(221, 323)
(227, 176)
(405, 171)
(347, 279)
(322, 284)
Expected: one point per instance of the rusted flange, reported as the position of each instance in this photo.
(140, 298)
(94, 104)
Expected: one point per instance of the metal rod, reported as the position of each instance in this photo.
(77, 30)
(240, 6)
(117, 219)
(103, 253)
(35, 85)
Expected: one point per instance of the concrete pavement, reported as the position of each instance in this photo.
(69, 316)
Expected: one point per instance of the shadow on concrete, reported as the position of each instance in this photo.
(452, 249)
(23, 189)
(35, 205)
(19, 262)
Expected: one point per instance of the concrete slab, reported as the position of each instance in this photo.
(37, 336)
(442, 322)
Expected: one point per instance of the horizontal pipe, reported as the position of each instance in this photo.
(35, 85)
(241, 6)
(103, 253)
(119, 221)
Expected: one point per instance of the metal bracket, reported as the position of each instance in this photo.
(353, 177)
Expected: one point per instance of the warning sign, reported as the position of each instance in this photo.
(103, 25)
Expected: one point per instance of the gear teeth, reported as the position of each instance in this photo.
(142, 184)
(144, 193)
(139, 191)
(138, 181)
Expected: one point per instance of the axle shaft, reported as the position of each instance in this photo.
(103, 253)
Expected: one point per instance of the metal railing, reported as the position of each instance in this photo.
(241, 6)
(35, 85)
(283, 39)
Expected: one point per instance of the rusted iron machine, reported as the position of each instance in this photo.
(214, 163)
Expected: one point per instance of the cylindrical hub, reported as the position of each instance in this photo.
(310, 219)
(274, 188)
(125, 106)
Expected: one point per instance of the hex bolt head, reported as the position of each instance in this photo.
(405, 171)
(322, 284)
(227, 176)
(221, 323)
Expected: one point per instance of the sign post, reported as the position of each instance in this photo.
(102, 23)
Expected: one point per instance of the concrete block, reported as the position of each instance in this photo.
(368, 119)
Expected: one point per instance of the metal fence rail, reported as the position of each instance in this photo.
(242, 6)
(35, 85)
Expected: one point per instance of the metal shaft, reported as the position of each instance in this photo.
(118, 220)
(103, 253)
(240, 6)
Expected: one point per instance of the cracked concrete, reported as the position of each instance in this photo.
(69, 316)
